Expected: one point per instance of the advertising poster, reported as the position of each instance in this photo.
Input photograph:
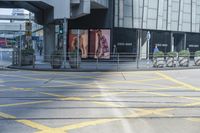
(100, 43)
(83, 41)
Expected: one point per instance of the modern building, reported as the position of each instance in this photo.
(174, 25)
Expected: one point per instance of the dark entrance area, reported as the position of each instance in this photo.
(179, 41)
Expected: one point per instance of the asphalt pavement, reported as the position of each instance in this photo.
(100, 102)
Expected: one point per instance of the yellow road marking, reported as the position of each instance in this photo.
(34, 124)
(24, 103)
(155, 93)
(110, 104)
(51, 94)
(192, 104)
(72, 98)
(109, 94)
(193, 119)
(190, 98)
(177, 82)
(25, 122)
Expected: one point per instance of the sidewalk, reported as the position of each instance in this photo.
(103, 66)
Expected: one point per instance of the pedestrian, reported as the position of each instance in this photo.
(41, 48)
(156, 49)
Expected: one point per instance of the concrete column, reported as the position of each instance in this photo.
(49, 41)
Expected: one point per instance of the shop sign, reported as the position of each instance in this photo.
(162, 45)
(193, 46)
(124, 44)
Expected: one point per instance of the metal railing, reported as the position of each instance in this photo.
(117, 62)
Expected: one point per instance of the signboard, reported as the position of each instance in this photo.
(148, 35)
(162, 45)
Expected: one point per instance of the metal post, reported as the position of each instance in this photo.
(148, 46)
(65, 28)
(118, 62)
(172, 42)
(20, 47)
(138, 48)
(78, 47)
(185, 41)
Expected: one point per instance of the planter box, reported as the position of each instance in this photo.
(197, 61)
(171, 61)
(56, 63)
(183, 61)
(27, 60)
(158, 62)
(74, 63)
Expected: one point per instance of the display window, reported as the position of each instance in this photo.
(94, 43)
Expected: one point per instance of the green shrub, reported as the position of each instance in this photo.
(29, 51)
(158, 54)
(56, 54)
(197, 54)
(171, 54)
(73, 54)
(184, 53)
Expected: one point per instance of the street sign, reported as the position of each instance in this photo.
(148, 35)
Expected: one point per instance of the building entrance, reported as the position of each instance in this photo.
(179, 41)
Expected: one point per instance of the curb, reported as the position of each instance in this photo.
(13, 68)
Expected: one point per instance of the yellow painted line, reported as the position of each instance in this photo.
(24, 103)
(104, 121)
(155, 93)
(193, 119)
(22, 89)
(177, 82)
(72, 98)
(7, 116)
(128, 81)
(86, 124)
(143, 112)
(51, 94)
(190, 98)
(109, 94)
(192, 104)
(25, 122)
(109, 104)
(34, 125)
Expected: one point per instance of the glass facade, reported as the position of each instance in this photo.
(171, 15)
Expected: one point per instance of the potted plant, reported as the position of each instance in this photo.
(158, 59)
(171, 59)
(197, 58)
(74, 59)
(56, 59)
(27, 56)
(184, 58)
